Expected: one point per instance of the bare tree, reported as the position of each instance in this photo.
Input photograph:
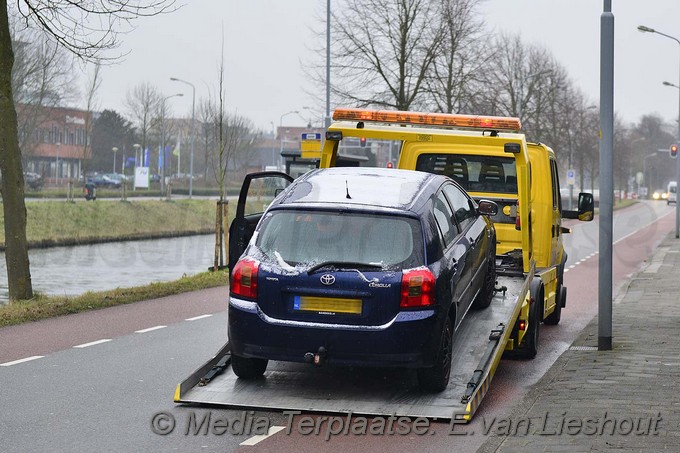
(384, 50)
(143, 103)
(457, 65)
(42, 77)
(205, 113)
(86, 28)
(93, 84)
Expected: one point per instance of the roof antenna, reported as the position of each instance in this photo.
(347, 189)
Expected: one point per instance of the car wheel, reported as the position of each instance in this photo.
(436, 378)
(485, 295)
(246, 368)
(554, 318)
(530, 348)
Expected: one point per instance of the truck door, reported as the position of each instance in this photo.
(556, 239)
(257, 192)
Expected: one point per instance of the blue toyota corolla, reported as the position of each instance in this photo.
(359, 266)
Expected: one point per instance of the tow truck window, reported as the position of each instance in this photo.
(475, 173)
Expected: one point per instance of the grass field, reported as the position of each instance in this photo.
(59, 223)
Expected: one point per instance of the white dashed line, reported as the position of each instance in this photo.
(196, 318)
(27, 359)
(150, 329)
(257, 439)
(92, 343)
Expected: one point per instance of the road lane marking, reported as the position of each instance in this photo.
(92, 343)
(27, 359)
(196, 318)
(150, 329)
(259, 438)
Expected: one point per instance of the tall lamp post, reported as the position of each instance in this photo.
(644, 29)
(115, 150)
(163, 137)
(327, 119)
(193, 118)
(281, 127)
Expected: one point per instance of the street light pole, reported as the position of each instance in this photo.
(327, 121)
(280, 129)
(163, 138)
(115, 150)
(193, 119)
(644, 29)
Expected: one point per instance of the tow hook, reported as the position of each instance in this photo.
(318, 358)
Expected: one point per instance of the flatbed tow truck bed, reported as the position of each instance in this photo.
(478, 346)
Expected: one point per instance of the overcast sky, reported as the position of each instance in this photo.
(266, 41)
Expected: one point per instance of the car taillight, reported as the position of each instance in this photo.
(244, 278)
(417, 288)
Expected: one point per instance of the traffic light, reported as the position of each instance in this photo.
(674, 150)
(362, 142)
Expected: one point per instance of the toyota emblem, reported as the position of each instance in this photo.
(327, 279)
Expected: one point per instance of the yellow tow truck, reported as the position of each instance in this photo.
(490, 159)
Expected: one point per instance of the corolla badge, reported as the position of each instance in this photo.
(327, 279)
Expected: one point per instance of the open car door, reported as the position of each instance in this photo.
(257, 192)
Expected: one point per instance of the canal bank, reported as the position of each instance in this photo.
(61, 223)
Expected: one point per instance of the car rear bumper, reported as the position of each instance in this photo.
(406, 341)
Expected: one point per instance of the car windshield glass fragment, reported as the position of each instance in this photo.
(312, 237)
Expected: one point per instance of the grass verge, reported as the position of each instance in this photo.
(61, 223)
(43, 307)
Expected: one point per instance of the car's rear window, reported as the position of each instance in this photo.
(311, 237)
(475, 173)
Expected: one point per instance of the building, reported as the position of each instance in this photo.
(54, 141)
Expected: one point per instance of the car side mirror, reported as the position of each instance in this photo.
(488, 208)
(586, 208)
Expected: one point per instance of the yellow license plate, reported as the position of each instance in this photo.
(328, 305)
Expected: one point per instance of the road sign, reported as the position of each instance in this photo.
(571, 177)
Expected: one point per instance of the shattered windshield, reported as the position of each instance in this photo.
(292, 237)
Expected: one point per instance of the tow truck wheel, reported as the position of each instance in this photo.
(485, 295)
(530, 348)
(436, 378)
(554, 318)
(246, 368)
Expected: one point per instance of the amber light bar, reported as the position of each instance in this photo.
(429, 119)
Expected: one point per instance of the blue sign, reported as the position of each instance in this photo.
(311, 136)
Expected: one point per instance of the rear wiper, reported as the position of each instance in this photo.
(343, 265)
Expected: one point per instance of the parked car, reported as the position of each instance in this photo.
(104, 181)
(358, 266)
(672, 192)
(33, 180)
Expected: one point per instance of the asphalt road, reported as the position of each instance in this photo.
(102, 396)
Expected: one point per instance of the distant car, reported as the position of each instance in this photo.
(359, 266)
(104, 181)
(33, 180)
(119, 177)
(155, 178)
(672, 192)
(659, 195)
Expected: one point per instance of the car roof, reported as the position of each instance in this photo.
(362, 187)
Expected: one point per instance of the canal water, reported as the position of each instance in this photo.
(77, 269)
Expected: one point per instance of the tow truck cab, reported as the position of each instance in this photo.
(490, 159)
